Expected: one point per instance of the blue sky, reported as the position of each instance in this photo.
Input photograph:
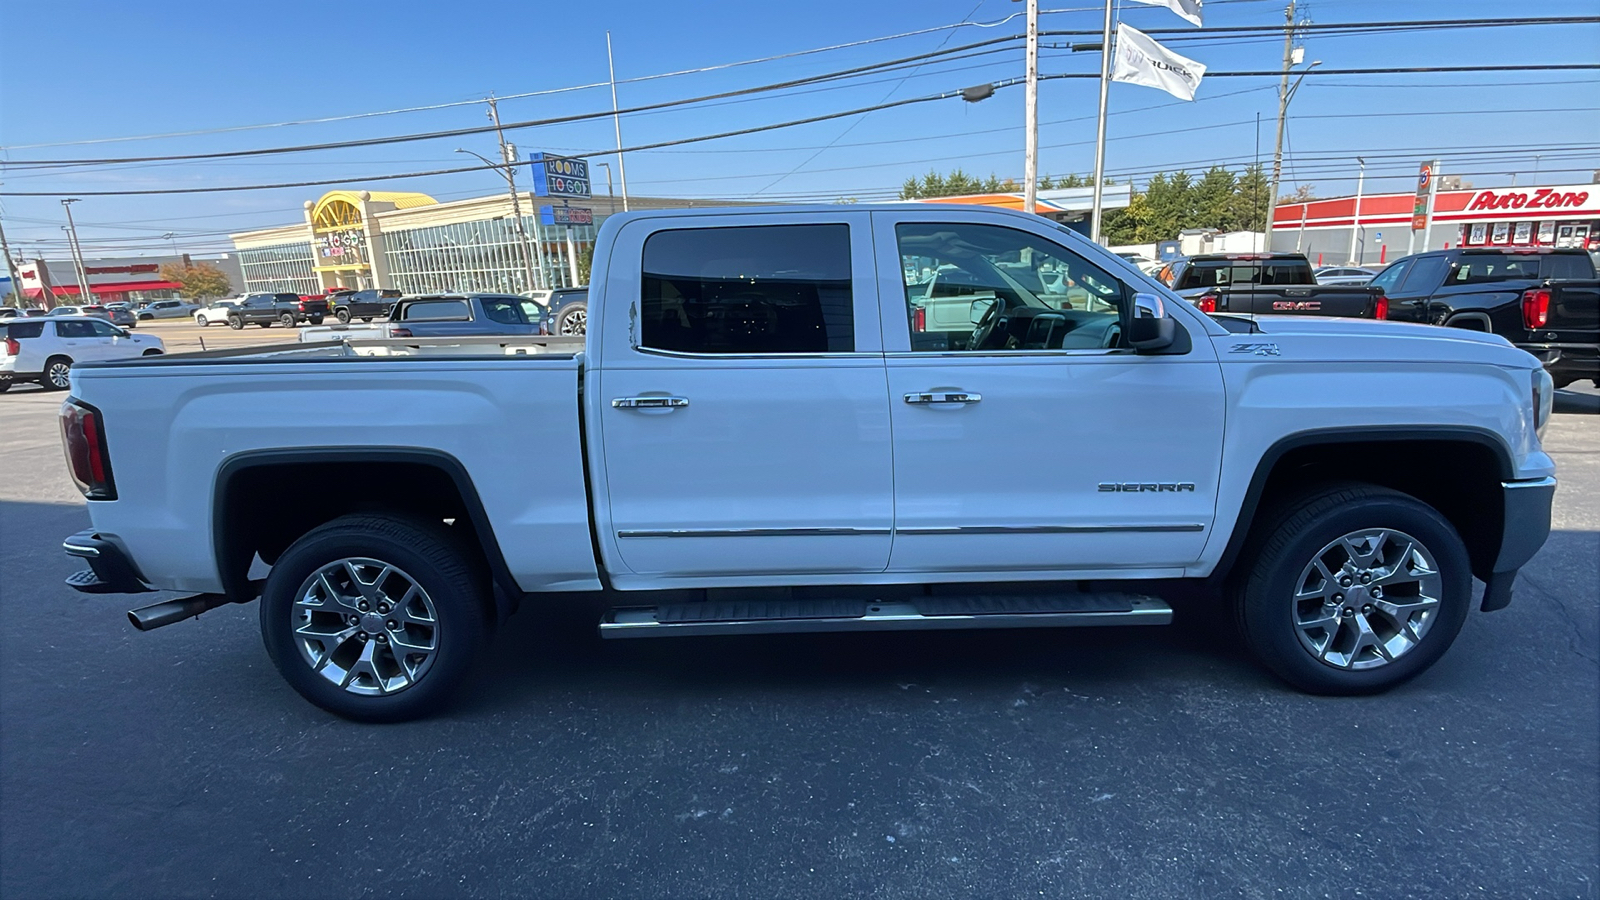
(109, 70)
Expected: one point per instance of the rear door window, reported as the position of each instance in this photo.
(82, 328)
(767, 289)
(1425, 275)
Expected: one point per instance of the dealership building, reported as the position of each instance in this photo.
(413, 243)
(1380, 230)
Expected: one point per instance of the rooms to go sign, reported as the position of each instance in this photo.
(559, 176)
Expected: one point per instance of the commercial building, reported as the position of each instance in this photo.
(413, 243)
(1071, 207)
(51, 282)
(1555, 216)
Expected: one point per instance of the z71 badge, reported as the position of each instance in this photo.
(1257, 349)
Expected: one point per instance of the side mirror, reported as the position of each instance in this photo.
(981, 307)
(1150, 328)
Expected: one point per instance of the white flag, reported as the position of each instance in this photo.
(1188, 9)
(1140, 60)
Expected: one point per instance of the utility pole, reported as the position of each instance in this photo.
(1355, 229)
(534, 283)
(616, 121)
(84, 294)
(1283, 111)
(1100, 130)
(611, 195)
(11, 267)
(1030, 162)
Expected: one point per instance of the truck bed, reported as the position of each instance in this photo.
(498, 405)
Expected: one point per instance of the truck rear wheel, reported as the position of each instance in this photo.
(1352, 589)
(375, 618)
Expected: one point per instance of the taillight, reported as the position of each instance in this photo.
(84, 437)
(400, 332)
(1208, 303)
(919, 319)
(1380, 309)
(12, 347)
(1536, 308)
(302, 306)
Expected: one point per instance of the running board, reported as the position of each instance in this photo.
(921, 613)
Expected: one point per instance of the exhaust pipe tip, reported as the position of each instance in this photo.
(157, 615)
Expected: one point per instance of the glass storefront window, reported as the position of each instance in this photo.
(478, 256)
(280, 267)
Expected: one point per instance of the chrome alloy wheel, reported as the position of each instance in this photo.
(575, 321)
(1367, 599)
(59, 375)
(365, 626)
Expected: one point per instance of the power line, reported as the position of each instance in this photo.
(556, 120)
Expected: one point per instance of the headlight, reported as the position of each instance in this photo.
(1544, 390)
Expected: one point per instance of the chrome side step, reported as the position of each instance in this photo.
(937, 612)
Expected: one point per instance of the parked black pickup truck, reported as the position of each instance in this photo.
(1544, 300)
(283, 309)
(366, 305)
(1247, 284)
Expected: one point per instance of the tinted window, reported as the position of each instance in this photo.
(436, 311)
(1426, 274)
(1228, 272)
(1567, 265)
(105, 329)
(1389, 279)
(751, 289)
(502, 310)
(24, 330)
(1486, 268)
(79, 329)
(288, 298)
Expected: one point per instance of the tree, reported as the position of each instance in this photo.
(197, 282)
(1247, 211)
(585, 263)
(1212, 196)
(1302, 194)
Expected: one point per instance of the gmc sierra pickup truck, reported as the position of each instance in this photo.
(1282, 284)
(1542, 299)
(754, 437)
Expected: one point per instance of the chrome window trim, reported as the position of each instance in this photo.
(1547, 481)
(684, 354)
(1006, 354)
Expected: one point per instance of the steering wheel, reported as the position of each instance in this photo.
(985, 327)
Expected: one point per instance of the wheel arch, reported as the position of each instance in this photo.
(247, 518)
(1456, 470)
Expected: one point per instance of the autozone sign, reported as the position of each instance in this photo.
(1538, 198)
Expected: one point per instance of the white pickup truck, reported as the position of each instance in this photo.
(761, 434)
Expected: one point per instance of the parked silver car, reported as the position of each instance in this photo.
(169, 309)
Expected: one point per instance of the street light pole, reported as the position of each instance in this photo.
(77, 251)
(1355, 228)
(616, 121)
(1030, 161)
(1100, 130)
(611, 202)
(11, 267)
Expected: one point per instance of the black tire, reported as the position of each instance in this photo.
(265, 324)
(431, 557)
(235, 322)
(5, 386)
(1287, 539)
(286, 320)
(146, 318)
(315, 320)
(343, 315)
(151, 352)
(573, 319)
(366, 320)
(48, 378)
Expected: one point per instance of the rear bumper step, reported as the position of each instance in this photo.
(922, 613)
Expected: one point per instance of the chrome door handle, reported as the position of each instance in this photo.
(650, 402)
(943, 397)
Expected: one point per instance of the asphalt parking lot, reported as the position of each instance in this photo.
(1143, 763)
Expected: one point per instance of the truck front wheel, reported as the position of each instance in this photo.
(1352, 589)
(343, 315)
(375, 618)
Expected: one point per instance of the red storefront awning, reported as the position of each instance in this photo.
(119, 288)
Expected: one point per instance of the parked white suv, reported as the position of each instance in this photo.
(216, 313)
(44, 350)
